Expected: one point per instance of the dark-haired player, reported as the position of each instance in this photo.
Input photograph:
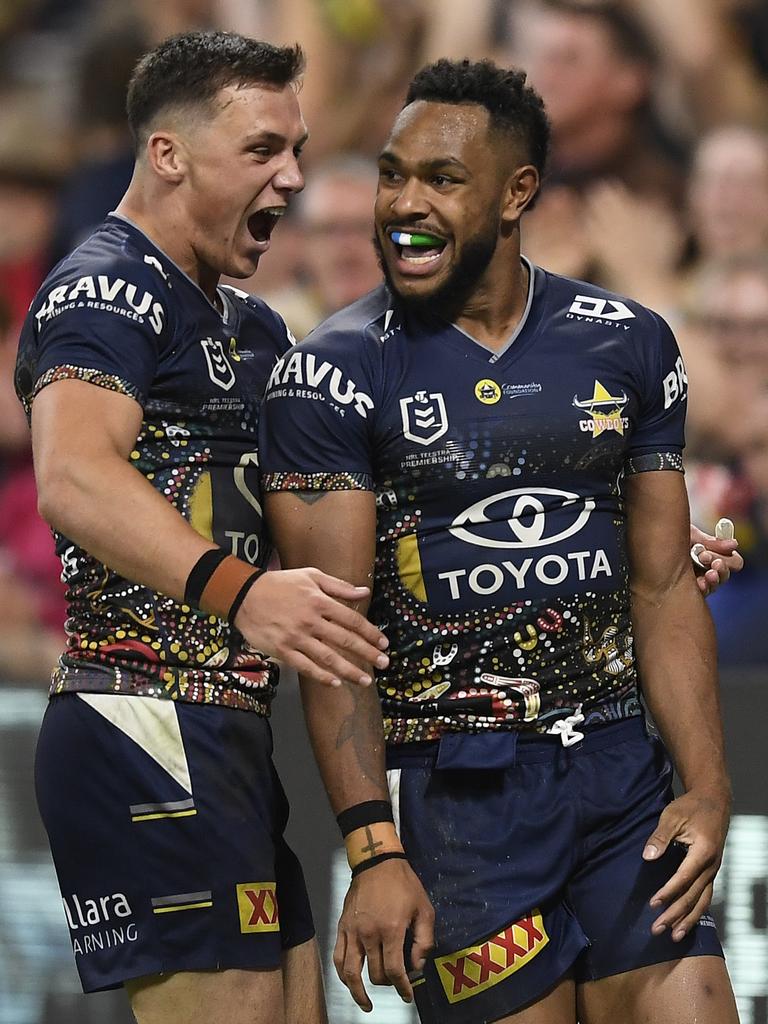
(505, 445)
(143, 378)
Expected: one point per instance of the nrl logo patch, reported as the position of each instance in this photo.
(219, 368)
(424, 417)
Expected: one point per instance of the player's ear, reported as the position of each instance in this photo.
(166, 155)
(522, 186)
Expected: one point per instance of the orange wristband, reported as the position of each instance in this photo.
(225, 586)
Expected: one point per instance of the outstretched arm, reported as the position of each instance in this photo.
(336, 531)
(677, 661)
(82, 438)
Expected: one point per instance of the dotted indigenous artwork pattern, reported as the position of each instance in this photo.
(151, 645)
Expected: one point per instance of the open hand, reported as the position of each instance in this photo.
(297, 616)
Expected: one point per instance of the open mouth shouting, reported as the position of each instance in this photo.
(418, 252)
(261, 225)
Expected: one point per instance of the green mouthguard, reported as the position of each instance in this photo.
(416, 239)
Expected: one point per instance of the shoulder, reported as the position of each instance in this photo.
(585, 303)
(257, 312)
(108, 272)
(359, 327)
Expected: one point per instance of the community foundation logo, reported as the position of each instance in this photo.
(487, 391)
(257, 905)
(477, 968)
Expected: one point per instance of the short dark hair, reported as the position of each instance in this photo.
(514, 107)
(191, 68)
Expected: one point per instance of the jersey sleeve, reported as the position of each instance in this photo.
(317, 420)
(104, 325)
(659, 438)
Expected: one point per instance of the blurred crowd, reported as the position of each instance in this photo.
(657, 188)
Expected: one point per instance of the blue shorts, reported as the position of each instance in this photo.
(166, 827)
(531, 855)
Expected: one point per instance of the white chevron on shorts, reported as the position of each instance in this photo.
(149, 722)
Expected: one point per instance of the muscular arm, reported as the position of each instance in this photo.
(677, 660)
(82, 438)
(337, 532)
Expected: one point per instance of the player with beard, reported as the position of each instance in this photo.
(504, 447)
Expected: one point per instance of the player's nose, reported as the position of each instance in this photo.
(289, 178)
(410, 200)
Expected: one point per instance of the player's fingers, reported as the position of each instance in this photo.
(350, 644)
(423, 936)
(353, 621)
(662, 836)
(351, 973)
(394, 966)
(375, 958)
(340, 589)
(681, 908)
(326, 660)
(681, 928)
(697, 864)
(309, 670)
(339, 950)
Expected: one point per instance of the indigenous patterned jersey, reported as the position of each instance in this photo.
(120, 314)
(501, 576)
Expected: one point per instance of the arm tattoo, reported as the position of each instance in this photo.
(310, 497)
(363, 727)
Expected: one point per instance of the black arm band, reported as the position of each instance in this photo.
(368, 813)
(240, 597)
(202, 570)
(365, 864)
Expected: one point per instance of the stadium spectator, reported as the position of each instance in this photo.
(334, 216)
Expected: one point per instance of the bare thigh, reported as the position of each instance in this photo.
(558, 1006)
(303, 985)
(209, 997)
(695, 990)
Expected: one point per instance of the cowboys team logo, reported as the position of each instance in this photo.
(487, 391)
(219, 368)
(424, 417)
(604, 411)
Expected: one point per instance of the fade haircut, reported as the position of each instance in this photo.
(515, 108)
(190, 69)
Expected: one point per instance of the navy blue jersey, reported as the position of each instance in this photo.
(120, 314)
(501, 575)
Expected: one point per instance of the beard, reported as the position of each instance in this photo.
(448, 300)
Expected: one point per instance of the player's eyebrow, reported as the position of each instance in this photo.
(437, 163)
(274, 139)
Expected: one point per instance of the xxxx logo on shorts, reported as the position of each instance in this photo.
(477, 968)
(257, 904)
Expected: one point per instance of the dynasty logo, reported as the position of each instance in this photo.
(604, 411)
(477, 968)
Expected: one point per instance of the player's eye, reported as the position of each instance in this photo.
(441, 180)
(389, 175)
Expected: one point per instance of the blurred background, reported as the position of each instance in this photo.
(657, 188)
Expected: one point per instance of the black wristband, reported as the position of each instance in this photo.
(240, 596)
(201, 572)
(378, 859)
(367, 813)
